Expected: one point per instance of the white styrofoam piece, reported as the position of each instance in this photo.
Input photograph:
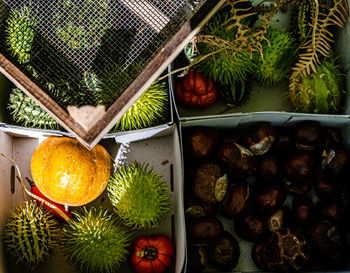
(162, 152)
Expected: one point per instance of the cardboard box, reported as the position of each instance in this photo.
(246, 263)
(161, 151)
(264, 100)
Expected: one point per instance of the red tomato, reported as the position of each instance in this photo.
(36, 191)
(152, 254)
(196, 91)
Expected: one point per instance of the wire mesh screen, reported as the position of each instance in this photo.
(86, 52)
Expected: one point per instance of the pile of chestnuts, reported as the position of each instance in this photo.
(284, 189)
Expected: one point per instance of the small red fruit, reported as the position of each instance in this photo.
(34, 189)
(196, 91)
(152, 254)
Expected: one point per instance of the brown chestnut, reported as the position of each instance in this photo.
(250, 227)
(194, 208)
(236, 201)
(200, 142)
(283, 145)
(326, 187)
(300, 167)
(204, 230)
(329, 244)
(281, 218)
(334, 139)
(269, 167)
(331, 210)
(197, 259)
(297, 188)
(209, 183)
(303, 210)
(284, 251)
(309, 135)
(335, 162)
(224, 253)
(258, 257)
(260, 138)
(238, 159)
(268, 197)
(230, 136)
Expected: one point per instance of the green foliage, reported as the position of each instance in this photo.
(95, 242)
(19, 33)
(279, 56)
(81, 24)
(139, 195)
(30, 234)
(28, 113)
(321, 92)
(223, 67)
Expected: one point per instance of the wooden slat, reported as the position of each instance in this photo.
(152, 71)
(43, 99)
(148, 13)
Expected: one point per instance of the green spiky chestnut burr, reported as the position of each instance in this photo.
(30, 114)
(81, 25)
(30, 234)
(95, 242)
(149, 110)
(321, 92)
(139, 195)
(279, 53)
(19, 33)
(222, 67)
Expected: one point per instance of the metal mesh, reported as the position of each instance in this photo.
(87, 51)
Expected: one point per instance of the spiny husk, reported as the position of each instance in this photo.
(81, 25)
(149, 110)
(30, 234)
(28, 113)
(279, 55)
(19, 33)
(221, 66)
(321, 92)
(139, 195)
(95, 242)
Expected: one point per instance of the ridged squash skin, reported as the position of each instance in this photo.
(139, 195)
(30, 234)
(321, 92)
(95, 242)
(68, 173)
